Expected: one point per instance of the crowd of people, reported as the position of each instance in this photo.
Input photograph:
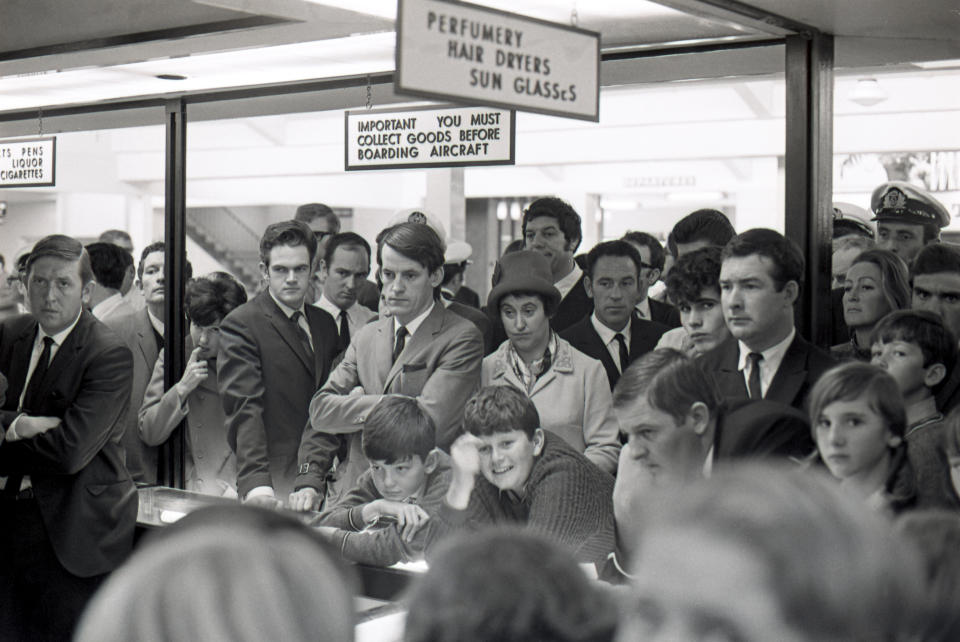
(650, 413)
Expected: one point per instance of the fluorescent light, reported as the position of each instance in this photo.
(619, 204)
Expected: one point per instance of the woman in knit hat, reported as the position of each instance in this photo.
(568, 388)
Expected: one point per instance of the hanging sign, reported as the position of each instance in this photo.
(468, 53)
(28, 162)
(435, 136)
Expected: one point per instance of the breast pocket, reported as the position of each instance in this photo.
(412, 379)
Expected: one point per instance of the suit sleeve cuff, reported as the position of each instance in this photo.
(12, 430)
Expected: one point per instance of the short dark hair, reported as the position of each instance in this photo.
(671, 381)
(657, 256)
(507, 585)
(788, 263)
(922, 328)
(451, 270)
(416, 241)
(936, 258)
(613, 248)
(558, 209)
(692, 273)
(495, 409)
(396, 429)
(292, 233)
(703, 225)
(347, 240)
(549, 307)
(210, 298)
(63, 247)
(109, 263)
(159, 246)
(308, 212)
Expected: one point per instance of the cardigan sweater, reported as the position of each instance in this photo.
(566, 499)
(380, 543)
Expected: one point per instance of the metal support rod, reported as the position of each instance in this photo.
(808, 169)
(171, 461)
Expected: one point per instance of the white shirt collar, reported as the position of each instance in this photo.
(415, 323)
(107, 306)
(606, 334)
(772, 358)
(59, 337)
(566, 283)
(329, 306)
(287, 310)
(155, 322)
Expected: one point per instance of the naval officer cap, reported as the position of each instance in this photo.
(849, 220)
(897, 201)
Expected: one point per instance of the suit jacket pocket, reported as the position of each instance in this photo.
(413, 377)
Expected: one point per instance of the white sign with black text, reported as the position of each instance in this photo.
(468, 53)
(435, 136)
(28, 162)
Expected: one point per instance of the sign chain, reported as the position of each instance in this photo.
(574, 16)
(369, 93)
(40, 122)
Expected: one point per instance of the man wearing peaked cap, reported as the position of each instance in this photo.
(907, 217)
(455, 262)
(850, 220)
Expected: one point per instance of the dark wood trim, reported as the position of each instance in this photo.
(172, 470)
(808, 171)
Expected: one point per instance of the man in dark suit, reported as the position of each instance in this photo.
(552, 228)
(68, 505)
(143, 332)
(760, 280)
(274, 353)
(653, 259)
(614, 334)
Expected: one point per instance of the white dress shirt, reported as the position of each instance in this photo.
(772, 358)
(302, 321)
(566, 283)
(106, 307)
(609, 339)
(357, 315)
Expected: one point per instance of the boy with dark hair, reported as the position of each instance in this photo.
(652, 260)
(761, 275)
(935, 279)
(693, 285)
(918, 351)
(552, 228)
(506, 468)
(702, 228)
(385, 517)
(614, 334)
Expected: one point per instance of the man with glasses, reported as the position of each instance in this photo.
(274, 353)
(652, 255)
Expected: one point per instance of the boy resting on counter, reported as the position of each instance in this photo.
(385, 518)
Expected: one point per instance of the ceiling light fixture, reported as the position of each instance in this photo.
(867, 92)
(170, 77)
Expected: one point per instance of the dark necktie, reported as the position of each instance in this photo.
(753, 382)
(301, 333)
(31, 397)
(344, 330)
(624, 354)
(400, 342)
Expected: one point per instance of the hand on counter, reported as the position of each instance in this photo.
(264, 501)
(304, 500)
(409, 517)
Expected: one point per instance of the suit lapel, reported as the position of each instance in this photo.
(595, 343)
(284, 327)
(729, 378)
(415, 344)
(19, 363)
(147, 342)
(791, 374)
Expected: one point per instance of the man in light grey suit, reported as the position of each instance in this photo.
(423, 351)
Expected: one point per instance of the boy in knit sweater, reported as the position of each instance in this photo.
(506, 469)
(386, 517)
